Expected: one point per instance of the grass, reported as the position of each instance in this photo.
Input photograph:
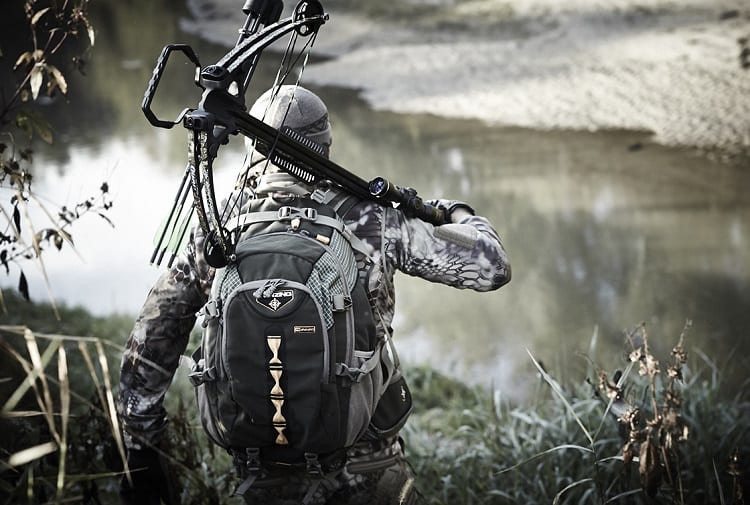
(566, 446)
(683, 439)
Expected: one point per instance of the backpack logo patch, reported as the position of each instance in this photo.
(277, 300)
(304, 329)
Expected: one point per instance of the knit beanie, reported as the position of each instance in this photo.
(296, 107)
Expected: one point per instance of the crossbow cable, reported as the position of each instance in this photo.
(222, 112)
(210, 125)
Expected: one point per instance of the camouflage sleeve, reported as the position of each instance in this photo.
(466, 255)
(159, 337)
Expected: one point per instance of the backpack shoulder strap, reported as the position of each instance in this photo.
(341, 201)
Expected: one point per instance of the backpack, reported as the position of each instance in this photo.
(290, 366)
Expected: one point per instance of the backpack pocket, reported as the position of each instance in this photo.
(279, 364)
(364, 394)
(393, 409)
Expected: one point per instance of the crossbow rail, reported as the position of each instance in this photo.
(222, 113)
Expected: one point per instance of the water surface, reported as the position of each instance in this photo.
(604, 230)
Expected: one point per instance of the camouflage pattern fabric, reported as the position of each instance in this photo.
(471, 256)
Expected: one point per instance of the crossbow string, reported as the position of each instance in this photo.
(222, 112)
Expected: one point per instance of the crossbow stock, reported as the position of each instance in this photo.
(222, 112)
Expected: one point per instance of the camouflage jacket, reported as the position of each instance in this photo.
(467, 255)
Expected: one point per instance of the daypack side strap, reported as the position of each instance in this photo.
(356, 374)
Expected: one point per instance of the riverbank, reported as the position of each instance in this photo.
(466, 444)
(680, 71)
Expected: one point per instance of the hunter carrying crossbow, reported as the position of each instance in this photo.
(292, 276)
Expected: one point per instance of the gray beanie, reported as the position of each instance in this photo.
(295, 107)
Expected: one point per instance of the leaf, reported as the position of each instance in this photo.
(59, 79)
(36, 79)
(108, 220)
(43, 129)
(17, 219)
(649, 466)
(38, 15)
(90, 30)
(23, 287)
(23, 59)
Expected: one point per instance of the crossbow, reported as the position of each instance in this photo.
(222, 113)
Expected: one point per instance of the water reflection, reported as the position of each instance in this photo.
(604, 230)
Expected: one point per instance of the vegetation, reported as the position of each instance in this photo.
(44, 39)
(651, 433)
(682, 438)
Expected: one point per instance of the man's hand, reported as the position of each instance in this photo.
(152, 482)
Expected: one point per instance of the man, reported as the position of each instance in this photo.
(466, 253)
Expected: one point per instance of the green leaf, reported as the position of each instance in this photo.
(31, 122)
(44, 130)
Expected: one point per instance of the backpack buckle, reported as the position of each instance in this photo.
(340, 302)
(313, 465)
(310, 213)
(209, 311)
(200, 375)
(252, 461)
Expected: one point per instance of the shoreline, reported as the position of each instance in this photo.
(681, 73)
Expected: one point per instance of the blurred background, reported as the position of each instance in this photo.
(605, 228)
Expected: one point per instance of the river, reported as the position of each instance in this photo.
(605, 230)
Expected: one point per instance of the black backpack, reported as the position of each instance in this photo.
(290, 365)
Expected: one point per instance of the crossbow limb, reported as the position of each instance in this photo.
(221, 112)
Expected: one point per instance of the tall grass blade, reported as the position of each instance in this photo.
(38, 256)
(556, 388)
(544, 453)
(567, 488)
(718, 483)
(36, 360)
(113, 419)
(624, 495)
(83, 347)
(62, 374)
(25, 456)
(32, 374)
